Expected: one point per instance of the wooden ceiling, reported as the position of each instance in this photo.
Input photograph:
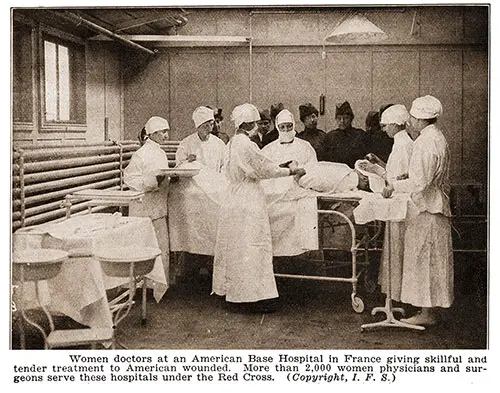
(118, 20)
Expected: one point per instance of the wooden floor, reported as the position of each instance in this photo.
(311, 315)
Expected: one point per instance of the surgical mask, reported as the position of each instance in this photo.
(286, 136)
(253, 131)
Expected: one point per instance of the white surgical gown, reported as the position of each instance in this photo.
(140, 175)
(397, 165)
(209, 153)
(428, 258)
(243, 261)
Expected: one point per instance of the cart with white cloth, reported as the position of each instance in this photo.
(399, 207)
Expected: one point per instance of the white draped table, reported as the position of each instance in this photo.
(79, 290)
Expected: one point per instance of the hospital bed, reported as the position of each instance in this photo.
(335, 220)
(193, 212)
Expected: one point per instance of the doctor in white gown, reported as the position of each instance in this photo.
(243, 268)
(287, 147)
(141, 175)
(393, 122)
(428, 257)
(202, 146)
(294, 220)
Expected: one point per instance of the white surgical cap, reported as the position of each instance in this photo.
(202, 114)
(395, 114)
(427, 107)
(156, 123)
(285, 116)
(245, 113)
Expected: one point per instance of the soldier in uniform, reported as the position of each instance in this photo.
(309, 116)
(345, 144)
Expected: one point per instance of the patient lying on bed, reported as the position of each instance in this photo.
(332, 177)
(194, 205)
(320, 178)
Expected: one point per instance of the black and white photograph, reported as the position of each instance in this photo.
(267, 178)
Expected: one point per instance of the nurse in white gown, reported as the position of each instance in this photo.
(141, 174)
(287, 147)
(202, 147)
(428, 257)
(243, 268)
(393, 122)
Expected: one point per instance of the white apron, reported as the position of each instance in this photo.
(397, 165)
(396, 252)
(428, 262)
(243, 262)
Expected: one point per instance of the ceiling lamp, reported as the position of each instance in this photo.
(356, 29)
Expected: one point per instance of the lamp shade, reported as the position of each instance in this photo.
(356, 29)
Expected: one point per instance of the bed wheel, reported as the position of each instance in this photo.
(357, 304)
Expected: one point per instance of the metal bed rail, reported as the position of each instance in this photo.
(356, 245)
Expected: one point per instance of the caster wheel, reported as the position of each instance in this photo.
(357, 304)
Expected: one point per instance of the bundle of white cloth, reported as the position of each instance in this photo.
(329, 177)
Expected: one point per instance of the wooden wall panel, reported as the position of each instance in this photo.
(233, 81)
(475, 116)
(443, 24)
(348, 77)
(441, 76)
(294, 79)
(194, 83)
(95, 59)
(476, 23)
(287, 29)
(395, 77)
(262, 64)
(146, 94)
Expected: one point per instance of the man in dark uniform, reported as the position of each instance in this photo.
(345, 144)
(264, 134)
(309, 116)
(273, 134)
(379, 143)
(217, 125)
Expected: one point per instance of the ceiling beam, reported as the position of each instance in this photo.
(78, 20)
(141, 21)
(136, 23)
(186, 40)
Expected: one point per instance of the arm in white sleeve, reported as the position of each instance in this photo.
(422, 170)
(398, 163)
(135, 177)
(223, 155)
(312, 156)
(150, 182)
(181, 154)
(132, 174)
(262, 165)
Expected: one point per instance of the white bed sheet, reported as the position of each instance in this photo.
(194, 205)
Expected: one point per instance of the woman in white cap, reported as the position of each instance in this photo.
(287, 147)
(202, 146)
(142, 174)
(243, 262)
(428, 258)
